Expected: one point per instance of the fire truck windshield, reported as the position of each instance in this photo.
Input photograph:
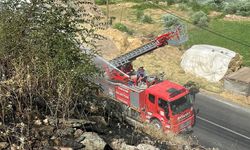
(180, 104)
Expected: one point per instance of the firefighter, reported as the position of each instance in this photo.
(141, 75)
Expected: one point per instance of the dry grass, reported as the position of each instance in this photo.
(176, 142)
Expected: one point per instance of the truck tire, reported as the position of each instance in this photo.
(156, 123)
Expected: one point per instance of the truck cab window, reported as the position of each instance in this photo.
(151, 98)
(164, 105)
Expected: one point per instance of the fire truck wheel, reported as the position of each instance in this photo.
(156, 123)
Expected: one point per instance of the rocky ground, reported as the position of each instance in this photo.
(96, 131)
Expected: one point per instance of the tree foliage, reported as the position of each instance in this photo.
(170, 21)
(200, 18)
(43, 68)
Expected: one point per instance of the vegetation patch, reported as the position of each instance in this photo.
(123, 28)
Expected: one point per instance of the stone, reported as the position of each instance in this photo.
(46, 121)
(78, 133)
(93, 141)
(63, 148)
(67, 132)
(121, 145)
(99, 120)
(3, 145)
(38, 122)
(146, 147)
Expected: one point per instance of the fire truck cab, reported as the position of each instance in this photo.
(168, 105)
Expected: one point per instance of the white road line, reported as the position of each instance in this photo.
(229, 130)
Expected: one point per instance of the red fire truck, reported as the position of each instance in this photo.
(165, 104)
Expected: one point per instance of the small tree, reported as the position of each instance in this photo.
(170, 21)
(200, 18)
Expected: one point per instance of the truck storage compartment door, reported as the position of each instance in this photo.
(122, 94)
(134, 99)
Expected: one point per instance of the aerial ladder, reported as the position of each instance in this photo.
(175, 37)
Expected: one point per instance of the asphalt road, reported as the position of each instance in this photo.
(222, 124)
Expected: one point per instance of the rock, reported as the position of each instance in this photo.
(146, 147)
(64, 142)
(78, 133)
(63, 148)
(46, 121)
(99, 120)
(38, 122)
(71, 143)
(120, 144)
(3, 145)
(67, 132)
(13, 147)
(92, 141)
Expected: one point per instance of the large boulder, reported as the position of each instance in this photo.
(93, 141)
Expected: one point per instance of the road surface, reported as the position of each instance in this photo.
(222, 124)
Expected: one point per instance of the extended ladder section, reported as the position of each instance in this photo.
(126, 58)
(175, 37)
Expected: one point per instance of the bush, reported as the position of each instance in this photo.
(123, 28)
(139, 14)
(230, 8)
(238, 8)
(244, 9)
(200, 18)
(183, 7)
(170, 21)
(103, 2)
(170, 2)
(143, 18)
(146, 19)
(144, 6)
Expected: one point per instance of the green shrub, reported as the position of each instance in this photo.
(146, 19)
(194, 5)
(139, 14)
(200, 18)
(143, 18)
(170, 2)
(231, 8)
(169, 21)
(144, 6)
(238, 8)
(123, 28)
(183, 7)
(244, 9)
(103, 2)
